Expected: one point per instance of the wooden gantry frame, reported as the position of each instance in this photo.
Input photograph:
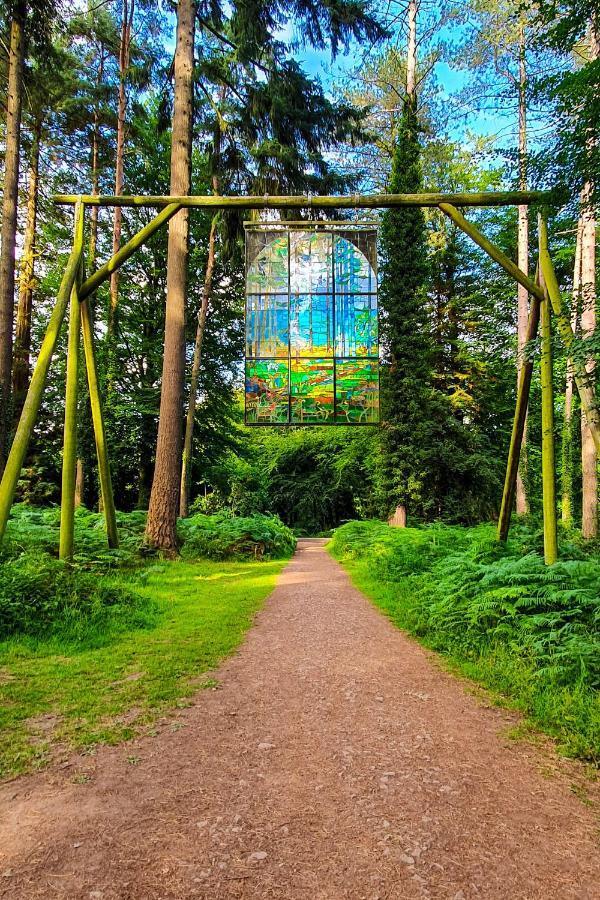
(75, 290)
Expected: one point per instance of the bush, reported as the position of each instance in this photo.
(527, 629)
(223, 536)
(41, 596)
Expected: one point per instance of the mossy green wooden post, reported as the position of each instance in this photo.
(67, 499)
(548, 451)
(108, 502)
(18, 450)
(581, 376)
(516, 438)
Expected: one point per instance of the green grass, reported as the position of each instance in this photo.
(496, 614)
(113, 678)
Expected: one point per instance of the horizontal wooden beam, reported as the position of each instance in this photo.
(307, 201)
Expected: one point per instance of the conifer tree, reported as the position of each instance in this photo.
(406, 383)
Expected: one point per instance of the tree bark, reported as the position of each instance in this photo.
(411, 53)
(22, 349)
(79, 483)
(589, 457)
(522, 504)
(567, 430)
(9, 219)
(161, 527)
(124, 53)
(186, 468)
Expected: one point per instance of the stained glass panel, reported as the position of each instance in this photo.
(310, 263)
(312, 399)
(356, 391)
(267, 269)
(311, 324)
(267, 325)
(353, 272)
(356, 331)
(267, 392)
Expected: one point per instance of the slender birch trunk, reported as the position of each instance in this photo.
(522, 504)
(127, 12)
(161, 527)
(186, 468)
(22, 350)
(567, 430)
(9, 218)
(589, 457)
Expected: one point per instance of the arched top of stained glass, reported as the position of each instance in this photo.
(313, 262)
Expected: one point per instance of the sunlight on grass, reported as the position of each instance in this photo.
(61, 692)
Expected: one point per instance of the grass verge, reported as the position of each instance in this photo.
(496, 614)
(106, 684)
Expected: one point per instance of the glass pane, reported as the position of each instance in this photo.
(267, 325)
(311, 324)
(268, 267)
(356, 332)
(267, 390)
(356, 391)
(311, 268)
(312, 391)
(353, 273)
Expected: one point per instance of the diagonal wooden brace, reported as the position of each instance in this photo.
(92, 283)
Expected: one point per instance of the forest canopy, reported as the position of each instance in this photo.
(312, 98)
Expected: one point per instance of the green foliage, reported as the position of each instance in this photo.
(224, 536)
(40, 596)
(528, 630)
(84, 600)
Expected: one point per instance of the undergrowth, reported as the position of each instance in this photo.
(528, 631)
(97, 593)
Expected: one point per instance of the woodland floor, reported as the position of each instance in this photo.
(336, 759)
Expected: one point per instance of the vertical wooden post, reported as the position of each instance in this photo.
(108, 502)
(16, 457)
(67, 500)
(548, 454)
(516, 438)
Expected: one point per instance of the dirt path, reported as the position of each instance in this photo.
(335, 761)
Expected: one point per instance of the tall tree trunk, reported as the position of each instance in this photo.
(589, 456)
(22, 351)
(589, 459)
(567, 430)
(124, 52)
(522, 504)
(411, 53)
(161, 527)
(186, 468)
(94, 167)
(9, 218)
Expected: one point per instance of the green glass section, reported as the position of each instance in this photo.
(357, 391)
(267, 392)
(312, 391)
